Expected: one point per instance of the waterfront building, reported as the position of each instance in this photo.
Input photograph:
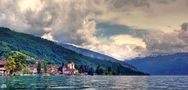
(69, 69)
(52, 69)
(3, 71)
(33, 69)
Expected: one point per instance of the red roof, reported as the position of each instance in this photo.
(32, 66)
(3, 62)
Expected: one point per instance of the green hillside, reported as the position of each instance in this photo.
(43, 49)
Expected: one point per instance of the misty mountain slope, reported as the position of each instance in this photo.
(40, 48)
(175, 64)
(88, 53)
(95, 55)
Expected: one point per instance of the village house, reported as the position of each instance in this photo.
(52, 69)
(69, 69)
(3, 71)
(33, 69)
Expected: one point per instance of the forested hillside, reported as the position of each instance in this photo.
(46, 50)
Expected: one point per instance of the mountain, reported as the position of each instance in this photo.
(93, 54)
(37, 47)
(88, 53)
(174, 64)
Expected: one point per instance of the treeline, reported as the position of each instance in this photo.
(17, 64)
(99, 70)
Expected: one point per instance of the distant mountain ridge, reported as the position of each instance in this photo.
(47, 50)
(88, 53)
(173, 64)
(93, 54)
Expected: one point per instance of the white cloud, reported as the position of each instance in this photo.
(127, 39)
(74, 21)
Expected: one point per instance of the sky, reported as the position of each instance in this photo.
(123, 29)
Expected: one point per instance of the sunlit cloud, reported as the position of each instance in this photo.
(127, 39)
(160, 15)
(158, 26)
(25, 5)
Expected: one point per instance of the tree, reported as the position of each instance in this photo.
(45, 69)
(62, 64)
(16, 62)
(11, 64)
(109, 69)
(84, 69)
(26, 71)
(118, 70)
(81, 69)
(20, 58)
(76, 66)
(100, 70)
(91, 71)
(61, 67)
(39, 68)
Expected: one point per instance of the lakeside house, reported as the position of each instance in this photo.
(33, 69)
(52, 69)
(69, 69)
(3, 71)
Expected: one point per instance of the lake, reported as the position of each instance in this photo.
(96, 82)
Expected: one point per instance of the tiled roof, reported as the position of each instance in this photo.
(32, 66)
(3, 62)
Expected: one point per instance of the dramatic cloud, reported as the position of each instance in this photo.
(127, 39)
(136, 28)
(163, 15)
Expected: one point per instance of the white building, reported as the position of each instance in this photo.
(3, 71)
(69, 69)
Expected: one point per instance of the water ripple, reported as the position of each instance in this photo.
(97, 82)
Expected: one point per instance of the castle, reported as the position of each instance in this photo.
(69, 69)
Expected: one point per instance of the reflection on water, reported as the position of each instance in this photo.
(96, 82)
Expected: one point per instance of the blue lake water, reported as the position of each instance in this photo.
(96, 82)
